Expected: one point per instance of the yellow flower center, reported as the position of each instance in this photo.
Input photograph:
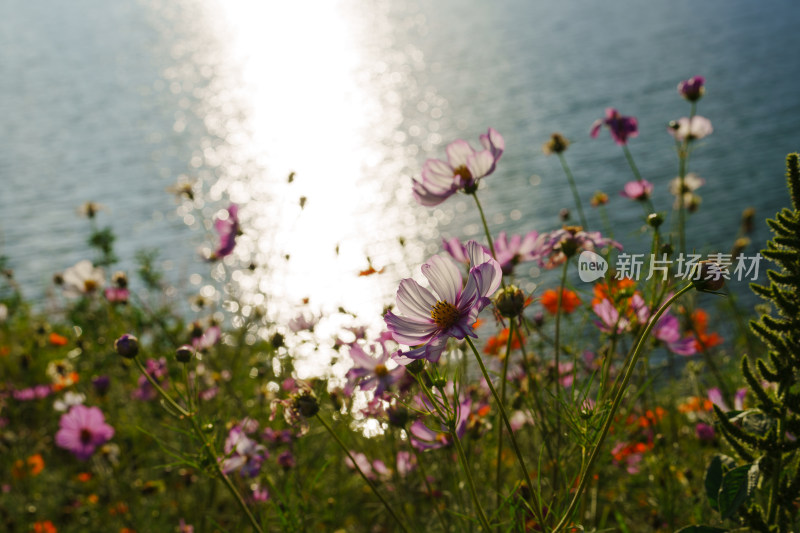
(444, 314)
(381, 370)
(89, 285)
(463, 173)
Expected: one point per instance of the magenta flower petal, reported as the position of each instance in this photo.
(82, 430)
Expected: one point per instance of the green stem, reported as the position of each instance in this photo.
(486, 230)
(777, 471)
(511, 329)
(557, 362)
(212, 456)
(615, 405)
(423, 474)
(648, 205)
(574, 188)
(207, 446)
(470, 482)
(363, 476)
(536, 505)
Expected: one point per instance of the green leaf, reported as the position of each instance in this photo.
(737, 485)
(713, 481)
(720, 464)
(701, 529)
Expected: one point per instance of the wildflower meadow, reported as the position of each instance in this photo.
(637, 388)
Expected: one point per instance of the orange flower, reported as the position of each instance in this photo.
(5, 350)
(703, 339)
(84, 477)
(32, 466)
(497, 344)
(35, 464)
(58, 340)
(370, 271)
(44, 527)
(65, 381)
(569, 300)
(696, 404)
(612, 289)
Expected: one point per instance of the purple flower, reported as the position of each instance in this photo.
(637, 190)
(429, 317)
(561, 244)
(209, 338)
(690, 129)
(424, 438)
(462, 170)
(693, 88)
(620, 127)
(228, 229)
(668, 331)
(704, 431)
(371, 372)
(456, 249)
(242, 453)
(82, 430)
(157, 369)
(517, 250)
(405, 463)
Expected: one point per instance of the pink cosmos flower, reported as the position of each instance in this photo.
(668, 331)
(157, 369)
(691, 129)
(462, 170)
(560, 244)
(693, 88)
(242, 453)
(518, 249)
(448, 309)
(456, 249)
(621, 127)
(369, 371)
(82, 430)
(637, 190)
(228, 229)
(704, 431)
(611, 319)
(424, 438)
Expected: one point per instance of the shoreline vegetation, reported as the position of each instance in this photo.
(607, 401)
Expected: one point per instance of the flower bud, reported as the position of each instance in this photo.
(127, 346)
(708, 276)
(306, 404)
(599, 198)
(654, 220)
(556, 145)
(693, 88)
(738, 247)
(510, 301)
(276, 340)
(564, 214)
(748, 217)
(184, 353)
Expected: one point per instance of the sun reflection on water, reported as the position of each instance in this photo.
(324, 192)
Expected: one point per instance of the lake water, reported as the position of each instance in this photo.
(115, 102)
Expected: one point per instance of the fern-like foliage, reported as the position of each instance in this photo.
(767, 437)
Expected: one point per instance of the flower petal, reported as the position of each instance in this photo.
(444, 277)
(413, 300)
(458, 153)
